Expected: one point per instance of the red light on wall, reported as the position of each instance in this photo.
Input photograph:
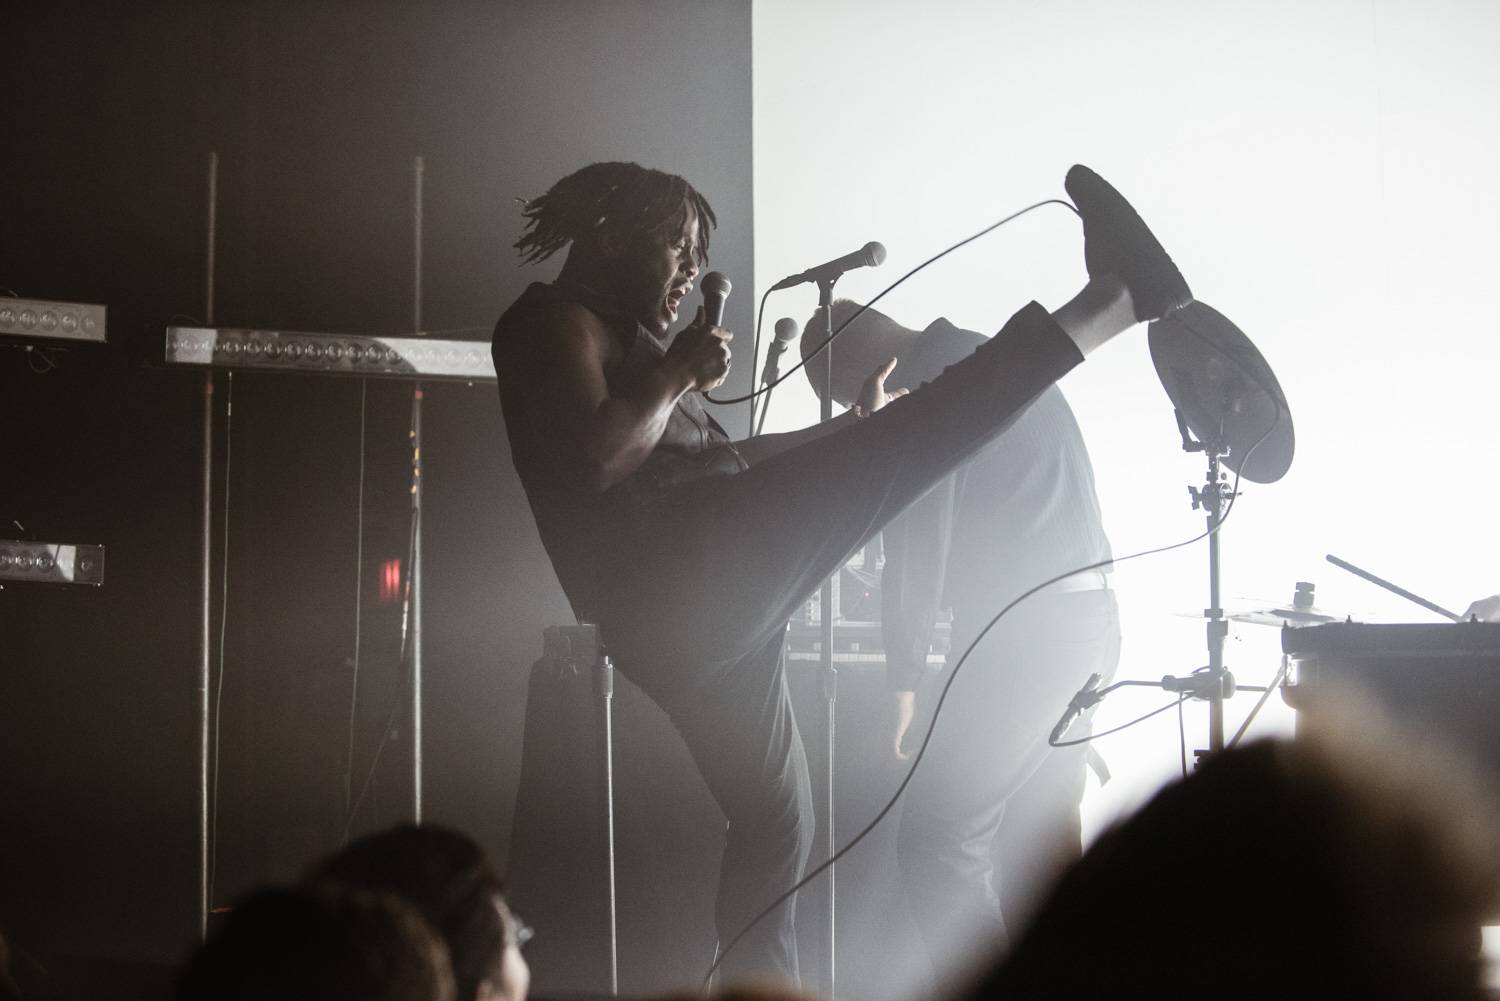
(390, 581)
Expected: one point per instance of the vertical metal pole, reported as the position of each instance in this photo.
(1218, 627)
(416, 249)
(829, 672)
(206, 552)
(606, 683)
(830, 692)
(416, 500)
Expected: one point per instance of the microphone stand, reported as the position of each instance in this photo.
(202, 713)
(768, 377)
(414, 581)
(829, 673)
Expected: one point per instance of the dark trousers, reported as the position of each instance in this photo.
(991, 816)
(698, 600)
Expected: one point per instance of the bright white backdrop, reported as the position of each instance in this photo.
(1325, 175)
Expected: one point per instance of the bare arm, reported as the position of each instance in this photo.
(917, 546)
(560, 391)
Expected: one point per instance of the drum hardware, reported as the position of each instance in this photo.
(1297, 613)
(1228, 406)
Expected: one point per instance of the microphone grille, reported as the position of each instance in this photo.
(787, 330)
(715, 284)
(874, 253)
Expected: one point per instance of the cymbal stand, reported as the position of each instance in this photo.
(1217, 683)
(1213, 683)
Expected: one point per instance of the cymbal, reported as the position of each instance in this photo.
(1263, 613)
(1279, 617)
(1224, 390)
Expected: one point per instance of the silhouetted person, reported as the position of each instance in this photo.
(1344, 866)
(991, 817)
(444, 875)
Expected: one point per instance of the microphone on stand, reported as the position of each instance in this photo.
(715, 293)
(868, 256)
(786, 332)
(1087, 696)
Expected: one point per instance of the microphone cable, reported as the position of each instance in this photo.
(755, 344)
(213, 806)
(760, 316)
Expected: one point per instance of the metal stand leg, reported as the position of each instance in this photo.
(605, 683)
(570, 649)
(831, 694)
(828, 598)
(206, 557)
(1218, 682)
(416, 504)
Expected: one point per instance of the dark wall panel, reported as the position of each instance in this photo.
(316, 110)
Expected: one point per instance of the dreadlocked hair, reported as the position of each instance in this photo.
(611, 197)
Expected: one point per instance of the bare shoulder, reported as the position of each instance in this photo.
(554, 362)
(564, 330)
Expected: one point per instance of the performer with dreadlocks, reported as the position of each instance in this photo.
(649, 511)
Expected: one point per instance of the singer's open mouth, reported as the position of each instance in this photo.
(675, 297)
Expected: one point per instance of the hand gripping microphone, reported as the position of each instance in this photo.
(868, 256)
(786, 332)
(1087, 696)
(715, 293)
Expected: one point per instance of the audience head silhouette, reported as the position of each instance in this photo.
(445, 876)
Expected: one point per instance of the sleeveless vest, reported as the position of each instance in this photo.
(582, 529)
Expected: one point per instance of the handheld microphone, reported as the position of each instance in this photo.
(868, 256)
(1087, 696)
(786, 332)
(715, 293)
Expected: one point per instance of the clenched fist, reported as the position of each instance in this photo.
(702, 353)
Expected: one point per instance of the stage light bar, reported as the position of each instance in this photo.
(42, 319)
(330, 354)
(51, 562)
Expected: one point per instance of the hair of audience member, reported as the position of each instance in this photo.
(1352, 862)
(742, 991)
(616, 199)
(326, 943)
(859, 349)
(445, 876)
